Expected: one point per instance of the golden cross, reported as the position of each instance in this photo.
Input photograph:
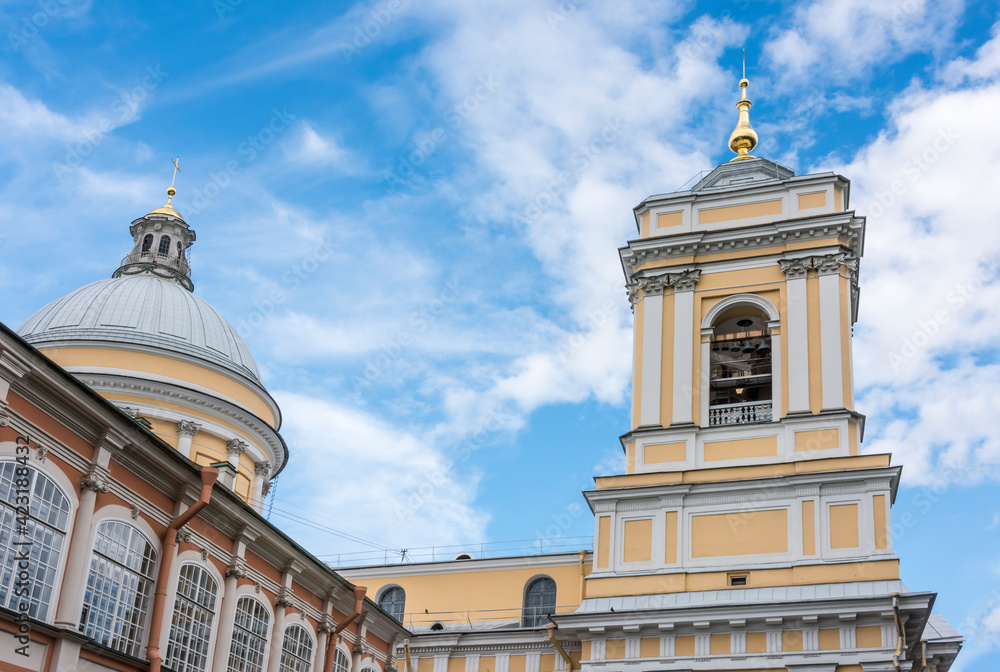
(177, 169)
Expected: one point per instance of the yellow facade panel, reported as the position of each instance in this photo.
(584, 651)
(666, 220)
(614, 649)
(670, 545)
(809, 527)
(630, 458)
(817, 439)
(817, 199)
(756, 642)
(667, 362)
(829, 639)
(456, 665)
(869, 637)
(739, 533)
(844, 526)
(881, 533)
(644, 226)
(658, 453)
(425, 665)
(720, 644)
(547, 663)
(637, 540)
(791, 640)
(517, 663)
(637, 365)
(764, 446)
(603, 541)
(838, 199)
(684, 645)
(737, 212)
(649, 647)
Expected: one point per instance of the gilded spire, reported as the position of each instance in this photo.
(168, 209)
(743, 138)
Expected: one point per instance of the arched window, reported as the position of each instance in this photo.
(539, 602)
(296, 650)
(164, 245)
(246, 653)
(118, 587)
(194, 615)
(394, 602)
(341, 663)
(147, 242)
(740, 368)
(45, 529)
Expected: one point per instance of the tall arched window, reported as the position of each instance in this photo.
(539, 602)
(164, 245)
(341, 663)
(147, 242)
(740, 368)
(45, 528)
(180, 249)
(296, 650)
(394, 602)
(246, 653)
(118, 587)
(194, 615)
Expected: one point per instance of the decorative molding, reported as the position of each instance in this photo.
(188, 428)
(265, 488)
(134, 512)
(795, 269)
(284, 598)
(657, 284)
(96, 479)
(238, 568)
(40, 452)
(829, 264)
(237, 447)
(685, 282)
(327, 624)
(185, 534)
(262, 468)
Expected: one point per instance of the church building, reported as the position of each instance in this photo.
(747, 532)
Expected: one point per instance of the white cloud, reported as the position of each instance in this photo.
(379, 479)
(928, 355)
(308, 148)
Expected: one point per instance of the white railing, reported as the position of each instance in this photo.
(740, 414)
(168, 260)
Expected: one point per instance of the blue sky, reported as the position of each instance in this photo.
(375, 192)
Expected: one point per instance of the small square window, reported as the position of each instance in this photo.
(738, 579)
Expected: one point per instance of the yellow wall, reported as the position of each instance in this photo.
(817, 439)
(869, 637)
(720, 645)
(765, 446)
(638, 540)
(450, 594)
(814, 200)
(829, 639)
(844, 526)
(809, 527)
(815, 344)
(658, 453)
(737, 212)
(667, 362)
(163, 366)
(881, 533)
(666, 220)
(746, 533)
(756, 642)
(637, 364)
(670, 547)
(604, 541)
(649, 647)
(684, 645)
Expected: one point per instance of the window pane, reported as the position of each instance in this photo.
(296, 650)
(191, 627)
(246, 654)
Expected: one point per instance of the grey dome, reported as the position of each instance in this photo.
(143, 310)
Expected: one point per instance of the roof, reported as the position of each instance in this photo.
(143, 310)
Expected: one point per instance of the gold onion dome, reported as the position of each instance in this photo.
(743, 138)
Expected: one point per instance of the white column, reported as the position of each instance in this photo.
(186, 429)
(78, 563)
(262, 474)
(830, 330)
(281, 603)
(797, 333)
(683, 346)
(227, 613)
(652, 348)
(776, 378)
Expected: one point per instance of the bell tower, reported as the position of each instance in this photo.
(747, 531)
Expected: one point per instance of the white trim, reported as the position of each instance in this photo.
(830, 341)
(733, 300)
(683, 358)
(652, 366)
(797, 333)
